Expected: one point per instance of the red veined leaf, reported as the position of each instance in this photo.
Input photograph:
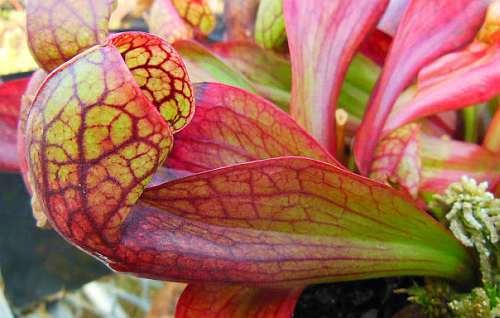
(225, 301)
(10, 101)
(197, 13)
(94, 139)
(60, 29)
(26, 101)
(233, 126)
(446, 161)
(492, 139)
(287, 221)
(392, 16)
(270, 24)
(320, 57)
(164, 21)
(204, 66)
(428, 30)
(239, 18)
(160, 73)
(270, 74)
(376, 46)
(454, 81)
(397, 159)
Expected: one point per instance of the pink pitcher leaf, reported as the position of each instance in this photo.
(270, 24)
(230, 301)
(446, 161)
(492, 139)
(397, 159)
(283, 222)
(428, 30)
(165, 21)
(452, 82)
(204, 66)
(439, 125)
(392, 16)
(376, 46)
(320, 57)
(10, 101)
(94, 138)
(270, 74)
(60, 29)
(233, 126)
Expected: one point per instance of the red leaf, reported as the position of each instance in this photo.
(320, 57)
(10, 101)
(60, 29)
(446, 161)
(280, 222)
(233, 126)
(221, 301)
(377, 46)
(454, 81)
(428, 30)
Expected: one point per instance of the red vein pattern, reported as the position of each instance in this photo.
(60, 29)
(320, 57)
(233, 126)
(428, 30)
(93, 142)
(10, 101)
(397, 159)
(197, 13)
(164, 21)
(160, 73)
(221, 301)
(280, 222)
(452, 82)
(446, 161)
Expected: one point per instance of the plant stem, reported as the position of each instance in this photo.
(471, 121)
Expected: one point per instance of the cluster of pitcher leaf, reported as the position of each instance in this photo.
(210, 183)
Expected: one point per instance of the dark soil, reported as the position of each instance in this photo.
(359, 299)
